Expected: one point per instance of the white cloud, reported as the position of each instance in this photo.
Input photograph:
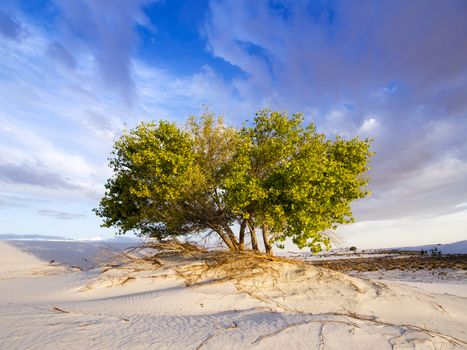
(61, 118)
(360, 87)
(63, 131)
(406, 232)
(59, 215)
(368, 125)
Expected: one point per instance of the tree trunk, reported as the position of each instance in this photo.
(267, 245)
(232, 237)
(254, 240)
(241, 239)
(225, 238)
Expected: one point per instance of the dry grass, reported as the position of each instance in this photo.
(212, 266)
(411, 263)
(175, 247)
(198, 265)
(220, 266)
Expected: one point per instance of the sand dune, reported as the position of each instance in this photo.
(178, 302)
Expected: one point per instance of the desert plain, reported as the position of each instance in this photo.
(97, 295)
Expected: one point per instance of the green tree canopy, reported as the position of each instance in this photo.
(277, 175)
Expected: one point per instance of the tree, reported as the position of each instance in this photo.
(290, 181)
(277, 176)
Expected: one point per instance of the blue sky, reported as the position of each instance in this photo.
(74, 73)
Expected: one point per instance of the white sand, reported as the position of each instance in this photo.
(138, 305)
(458, 289)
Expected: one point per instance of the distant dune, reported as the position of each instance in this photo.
(11, 236)
(35, 237)
(449, 248)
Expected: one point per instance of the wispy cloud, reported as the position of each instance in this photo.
(68, 88)
(56, 142)
(105, 30)
(33, 174)
(60, 215)
(403, 85)
(58, 52)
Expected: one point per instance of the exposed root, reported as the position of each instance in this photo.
(210, 336)
(221, 266)
(323, 322)
(214, 266)
(57, 309)
(175, 247)
(393, 340)
(431, 333)
(126, 280)
(404, 328)
(205, 340)
(258, 294)
(321, 337)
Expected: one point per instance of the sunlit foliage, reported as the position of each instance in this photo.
(276, 174)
